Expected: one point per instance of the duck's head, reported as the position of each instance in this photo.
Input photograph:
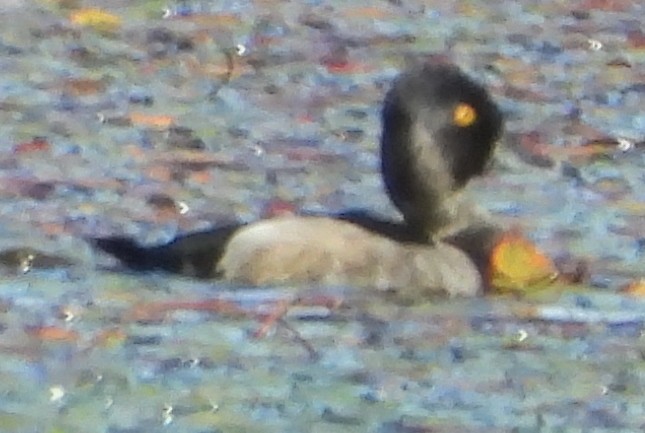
(439, 130)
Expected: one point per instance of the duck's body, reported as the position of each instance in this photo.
(429, 152)
(297, 250)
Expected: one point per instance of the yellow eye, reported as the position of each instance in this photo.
(464, 115)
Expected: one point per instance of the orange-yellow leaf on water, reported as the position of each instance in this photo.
(635, 288)
(96, 19)
(53, 333)
(110, 337)
(516, 264)
(152, 120)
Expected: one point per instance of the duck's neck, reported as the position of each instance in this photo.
(434, 222)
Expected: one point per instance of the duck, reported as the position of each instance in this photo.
(439, 130)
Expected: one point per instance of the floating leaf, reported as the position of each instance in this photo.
(346, 67)
(97, 19)
(151, 120)
(517, 265)
(635, 288)
(36, 144)
(53, 333)
(108, 338)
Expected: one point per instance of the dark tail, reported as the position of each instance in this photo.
(194, 255)
(129, 253)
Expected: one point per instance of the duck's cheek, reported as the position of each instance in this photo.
(430, 152)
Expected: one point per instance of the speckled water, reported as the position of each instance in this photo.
(563, 362)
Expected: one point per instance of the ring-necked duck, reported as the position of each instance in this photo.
(439, 130)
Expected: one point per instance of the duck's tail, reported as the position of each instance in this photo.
(194, 255)
(135, 256)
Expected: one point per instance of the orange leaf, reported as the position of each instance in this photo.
(517, 265)
(36, 144)
(53, 333)
(110, 337)
(635, 288)
(346, 68)
(97, 19)
(154, 121)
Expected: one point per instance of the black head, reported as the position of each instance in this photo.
(439, 130)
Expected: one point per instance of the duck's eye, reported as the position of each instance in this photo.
(464, 115)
